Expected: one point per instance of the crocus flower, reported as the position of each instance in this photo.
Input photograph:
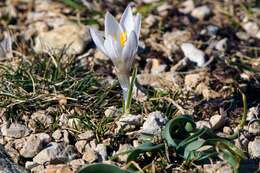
(120, 43)
(6, 46)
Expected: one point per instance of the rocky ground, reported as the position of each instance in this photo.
(60, 102)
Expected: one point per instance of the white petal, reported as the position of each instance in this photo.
(110, 48)
(130, 49)
(127, 20)
(111, 25)
(194, 54)
(137, 25)
(98, 39)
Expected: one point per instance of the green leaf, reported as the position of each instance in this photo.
(73, 4)
(231, 159)
(143, 148)
(193, 146)
(130, 91)
(101, 167)
(174, 130)
(192, 138)
(222, 143)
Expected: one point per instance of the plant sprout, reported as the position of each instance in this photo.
(120, 44)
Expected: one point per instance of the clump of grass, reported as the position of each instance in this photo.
(52, 81)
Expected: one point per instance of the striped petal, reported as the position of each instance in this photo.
(98, 39)
(127, 20)
(110, 48)
(111, 25)
(130, 49)
(137, 27)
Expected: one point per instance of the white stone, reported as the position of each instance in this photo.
(101, 149)
(112, 111)
(227, 130)
(254, 148)
(56, 152)
(57, 134)
(252, 113)
(221, 45)
(154, 123)
(172, 40)
(90, 155)
(71, 37)
(201, 12)
(251, 28)
(187, 6)
(34, 143)
(40, 117)
(88, 135)
(254, 127)
(202, 123)
(80, 146)
(217, 121)
(193, 54)
(129, 122)
(15, 130)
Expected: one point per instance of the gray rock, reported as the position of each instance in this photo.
(252, 29)
(254, 148)
(252, 113)
(150, 20)
(57, 135)
(55, 153)
(217, 121)
(172, 40)
(90, 155)
(123, 148)
(30, 164)
(80, 146)
(7, 165)
(227, 130)
(34, 143)
(112, 111)
(242, 35)
(212, 30)
(15, 130)
(221, 45)
(77, 164)
(101, 149)
(40, 117)
(154, 123)
(187, 6)
(202, 123)
(74, 123)
(201, 12)
(254, 127)
(129, 122)
(242, 142)
(18, 143)
(72, 36)
(88, 135)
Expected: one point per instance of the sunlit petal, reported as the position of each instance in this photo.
(98, 39)
(130, 49)
(127, 20)
(137, 25)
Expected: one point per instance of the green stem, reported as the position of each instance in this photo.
(130, 91)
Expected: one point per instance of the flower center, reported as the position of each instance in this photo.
(122, 38)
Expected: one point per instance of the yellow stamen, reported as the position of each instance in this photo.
(122, 38)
